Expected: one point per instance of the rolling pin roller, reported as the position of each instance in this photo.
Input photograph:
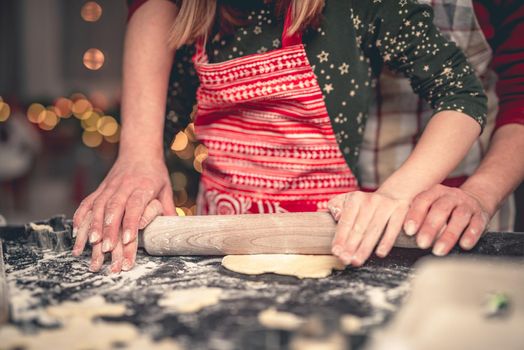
(289, 233)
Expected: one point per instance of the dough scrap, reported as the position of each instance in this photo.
(40, 227)
(80, 332)
(350, 324)
(90, 308)
(274, 319)
(190, 300)
(301, 266)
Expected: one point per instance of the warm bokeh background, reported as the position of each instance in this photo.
(60, 76)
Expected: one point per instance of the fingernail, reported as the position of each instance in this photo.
(346, 258)
(381, 251)
(115, 267)
(75, 231)
(410, 228)
(127, 265)
(467, 243)
(424, 242)
(439, 249)
(76, 252)
(142, 224)
(126, 238)
(336, 250)
(94, 237)
(106, 246)
(355, 261)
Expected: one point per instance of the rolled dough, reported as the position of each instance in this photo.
(274, 319)
(190, 300)
(301, 266)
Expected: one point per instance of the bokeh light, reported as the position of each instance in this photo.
(180, 212)
(90, 121)
(115, 138)
(190, 132)
(92, 138)
(91, 11)
(180, 142)
(34, 113)
(63, 107)
(49, 119)
(186, 153)
(93, 59)
(199, 159)
(5, 111)
(81, 107)
(107, 125)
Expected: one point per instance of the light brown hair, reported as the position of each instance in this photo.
(196, 18)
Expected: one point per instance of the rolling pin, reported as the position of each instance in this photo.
(287, 233)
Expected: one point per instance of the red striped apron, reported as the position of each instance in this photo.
(271, 146)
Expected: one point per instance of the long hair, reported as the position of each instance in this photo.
(196, 18)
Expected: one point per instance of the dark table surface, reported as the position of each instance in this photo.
(39, 274)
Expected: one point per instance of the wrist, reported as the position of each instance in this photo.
(484, 193)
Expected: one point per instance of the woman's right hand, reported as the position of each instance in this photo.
(119, 205)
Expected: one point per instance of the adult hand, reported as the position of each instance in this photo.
(363, 218)
(122, 257)
(119, 205)
(444, 215)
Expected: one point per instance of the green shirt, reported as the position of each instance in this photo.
(347, 52)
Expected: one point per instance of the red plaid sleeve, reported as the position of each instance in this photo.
(502, 22)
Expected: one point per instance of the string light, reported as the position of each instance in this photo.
(179, 180)
(90, 121)
(92, 138)
(186, 153)
(180, 211)
(180, 197)
(115, 138)
(49, 120)
(190, 132)
(5, 111)
(81, 107)
(63, 107)
(180, 142)
(91, 11)
(107, 125)
(93, 59)
(34, 113)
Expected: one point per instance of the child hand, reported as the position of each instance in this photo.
(363, 218)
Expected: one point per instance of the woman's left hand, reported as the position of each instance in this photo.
(363, 218)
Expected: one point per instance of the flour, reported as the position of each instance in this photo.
(190, 300)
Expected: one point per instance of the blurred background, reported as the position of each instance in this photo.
(60, 76)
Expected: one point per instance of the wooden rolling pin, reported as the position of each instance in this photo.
(289, 233)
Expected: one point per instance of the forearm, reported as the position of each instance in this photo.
(501, 170)
(146, 67)
(444, 143)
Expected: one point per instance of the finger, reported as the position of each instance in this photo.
(458, 222)
(166, 199)
(335, 205)
(135, 207)
(419, 208)
(477, 225)
(99, 205)
(81, 237)
(375, 230)
(350, 208)
(360, 227)
(117, 256)
(435, 220)
(84, 207)
(114, 211)
(393, 229)
(130, 255)
(153, 209)
(97, 257)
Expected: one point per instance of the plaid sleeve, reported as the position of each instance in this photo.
(401, 33)
(503, 22)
